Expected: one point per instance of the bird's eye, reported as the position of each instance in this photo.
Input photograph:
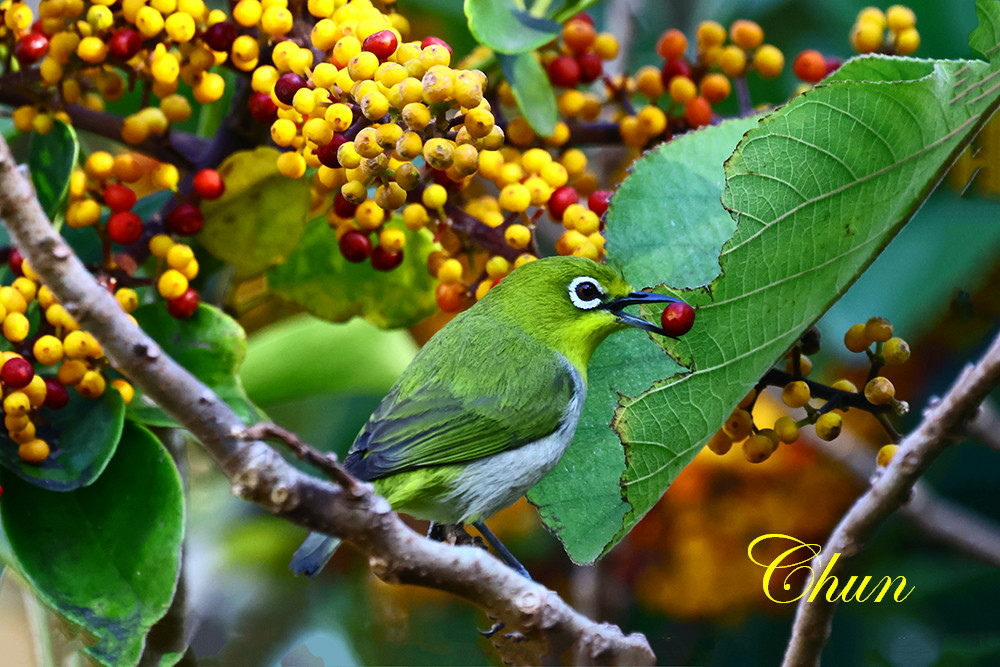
(585, 293)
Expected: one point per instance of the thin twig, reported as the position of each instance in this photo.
(939, 428)
(395, 552)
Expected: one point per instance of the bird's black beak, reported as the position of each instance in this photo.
(637, 298)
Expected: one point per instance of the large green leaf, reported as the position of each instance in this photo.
(52, 159)
(318, 278)
(532, 89)
(581, 500)
(505, 28)
(83, 437)
(817, 190)
(210, 344)
(105, 556)
(260, 218)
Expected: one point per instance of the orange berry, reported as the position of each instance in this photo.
(698, 112)
(578, 35)
(715, 87)
(672, 44)
(810, 66)
(746, 34)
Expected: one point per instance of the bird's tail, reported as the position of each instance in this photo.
(314, 553)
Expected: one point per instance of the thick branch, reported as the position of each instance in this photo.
(940, 427)
(258, 473)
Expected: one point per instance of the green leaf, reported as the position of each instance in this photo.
(571, 9)
(282, 363)
(502, 26)
(51, 160)
(318, 278)
(210, 344)
(817, 190)
(581, 500)
(532, 89)
(105, 556)
(83, 437)
(260, 218)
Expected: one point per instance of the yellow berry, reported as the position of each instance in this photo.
(739, 424)
(856, 338)
(172, 282)
(885, 455)
(160, 244)
(291, 165)
(795, 394)
(34, 451)
(787, 430)
(515, 197)
(879, 391)
(92, 385)
(517, 236)
(828, 426)
(16, 403)
(48, 350)
(125, 389)
(720, 443)
(71, 372)
(758, 448)
(434, 196)
(16, 327)
(746, 34)
(896, 351)
(733, 61)
(415, 216)
(450, 271)
(127, 298)
(907, 42)
(900, 18)
(768, 60)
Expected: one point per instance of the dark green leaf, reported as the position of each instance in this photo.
(211, 345)
(260, 218)
(83, 437)
(581, 500)
(52, 159)
(500, 25)
(532, 89)
(105, 556)
(318, 278)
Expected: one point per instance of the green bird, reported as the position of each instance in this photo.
(488, 406)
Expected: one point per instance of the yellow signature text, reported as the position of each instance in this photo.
(796, 556)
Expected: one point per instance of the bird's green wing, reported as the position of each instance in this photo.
(496, 392)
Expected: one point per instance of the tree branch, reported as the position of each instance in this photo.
(548, 625)
(941, 426)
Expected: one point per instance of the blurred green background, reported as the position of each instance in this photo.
(682, 578)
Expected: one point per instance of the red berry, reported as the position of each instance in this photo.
(119, 197)
(598, 201)
(262, 108)
(17, 373)
(343, 208)
(186, 219)
(124, 43)
(184, 306)
(287, 85)
(833, 63)
(672, 68)
(435, 40)
(677, 318)
(327, 153)
(56, 396)
(124, 227)
(208, 184)
(382, 43)
(39, 27)
(31, 48)
(220, 36)
(583, 16)
(564, 72)
(560, 200)
(15, 260)
(355, 246)
(591, 67)
(383, 260)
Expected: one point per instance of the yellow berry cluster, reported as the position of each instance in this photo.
(825, 417)
(893, 31)
(56, 343)
(82, 49)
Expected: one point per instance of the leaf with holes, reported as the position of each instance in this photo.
(817, 189)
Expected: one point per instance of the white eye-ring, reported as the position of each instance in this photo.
(586, 293)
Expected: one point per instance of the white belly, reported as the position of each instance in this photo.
(491, 484)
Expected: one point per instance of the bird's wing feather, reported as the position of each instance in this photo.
(476, 403)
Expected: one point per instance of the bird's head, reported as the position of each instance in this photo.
(570, 303)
